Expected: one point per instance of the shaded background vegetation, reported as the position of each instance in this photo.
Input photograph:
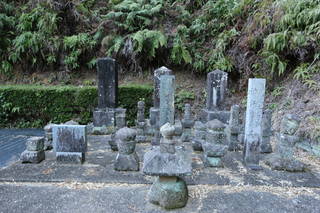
(248, 38)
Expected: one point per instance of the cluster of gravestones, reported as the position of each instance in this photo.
(215, 133)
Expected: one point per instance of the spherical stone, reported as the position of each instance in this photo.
(126, 134)
(215, 125)
(169, 194)
(197, 144)
(167, 130)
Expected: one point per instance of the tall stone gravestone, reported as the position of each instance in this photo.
(155, 110)
(253, 123)
(70, 143)
(216, 90)
(104, 115)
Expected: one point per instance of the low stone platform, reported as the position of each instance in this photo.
(98, 168)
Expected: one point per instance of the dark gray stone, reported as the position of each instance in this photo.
(125, 162)
(265, 146)
(233, 129)
(70, 138)
(120, 118)
(199, 136)
(169, 192)
(35, 144)
(100, 117)
(207, 115)
(140, 113)
(278, 163)
(290, 124)
(167, 90)
(48, 136)
(253, 127)
(216, 88)
(70, 157)
(107, 83)
(112, 142)
(214, 150)
(154, 116)
(212, 161)
(177, 128)
(187, 135)
(127, 159)
(215, 132)
(156, 92)
(32, 156)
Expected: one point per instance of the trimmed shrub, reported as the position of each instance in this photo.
(27, 106)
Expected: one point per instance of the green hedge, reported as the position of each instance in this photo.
(33, 106)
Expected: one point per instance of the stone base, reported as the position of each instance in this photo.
(206, 115)
(103, 130)
(212, 162)
(70, 157)
(186, 135)
(127, 162)
(214, 150)
(32, 156)
(197, 145)
(290, 165)
(265, 147)
(169, 193)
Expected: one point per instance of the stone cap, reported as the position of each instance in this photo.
(215, 125)
(167, 130)
(198, 125)
(156, 163)
(126, 134)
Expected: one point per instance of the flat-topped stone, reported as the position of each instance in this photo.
(35, 144)
(157, 163)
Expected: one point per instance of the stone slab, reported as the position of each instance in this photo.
(70, 157)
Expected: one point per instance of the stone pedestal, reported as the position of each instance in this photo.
(283, 158)
(187, 124)
(48, 137)
(168, 192)
(214, 146)
(265, 146)
(127, 159)
(70, 143)
(34, 152)
(168, 163)
(233, 129)
(141, 124)
(199, 136)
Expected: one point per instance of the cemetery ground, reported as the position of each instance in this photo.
(96, 187)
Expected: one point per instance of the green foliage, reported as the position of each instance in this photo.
(133, 15)
(34, 106)
(148, 41)
(183, 97)
(77, 45)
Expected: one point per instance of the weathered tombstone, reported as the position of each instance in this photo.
(265, 146)
(199, 136)
(214, 146)
(107, 83)
(104, 115)
(127, 159)
(283, 158)
(48, 136)
(121, 118)
(156, 92)
(34, 152)
(167, 89)
(155, 110)
(216, 91)
(253, 123)
(233, 129)
(187, 124)
(169, 191)
(141, 123)
(70, 143)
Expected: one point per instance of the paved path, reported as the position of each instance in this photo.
(12, 143)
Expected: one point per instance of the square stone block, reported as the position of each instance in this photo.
(70, 157)
(32, 156)
(70, 138)
(35, 144)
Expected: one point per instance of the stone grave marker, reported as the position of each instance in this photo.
(253, 123)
